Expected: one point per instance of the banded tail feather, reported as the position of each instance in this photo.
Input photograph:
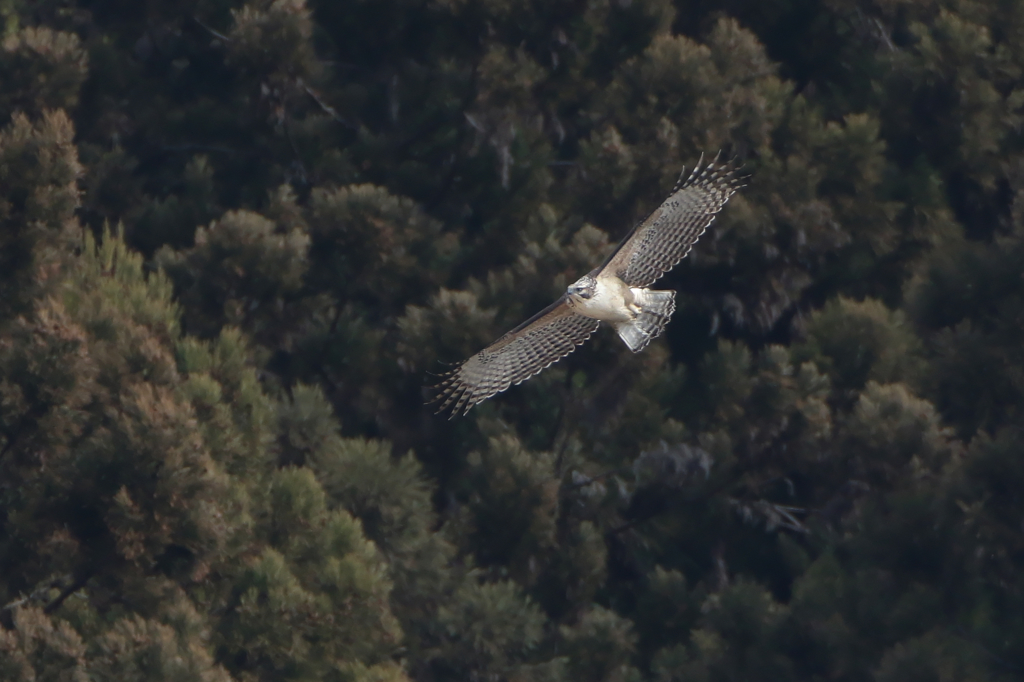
(656, 307)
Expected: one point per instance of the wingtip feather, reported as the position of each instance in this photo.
(727, 171)
(453, 395)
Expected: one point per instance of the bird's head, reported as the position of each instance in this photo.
(584, 287)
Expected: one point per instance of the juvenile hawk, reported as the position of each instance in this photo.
(616, 292)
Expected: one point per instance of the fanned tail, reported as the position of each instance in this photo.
(656, 307)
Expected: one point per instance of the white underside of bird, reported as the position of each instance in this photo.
(637, 314)
(612, 301)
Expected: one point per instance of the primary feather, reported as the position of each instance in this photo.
(664, 238)
(515, 357)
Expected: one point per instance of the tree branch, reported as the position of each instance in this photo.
(75, 586)
(328, 109)
(216, 34)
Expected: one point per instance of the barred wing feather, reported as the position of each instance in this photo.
(525, 351)
(664, 238)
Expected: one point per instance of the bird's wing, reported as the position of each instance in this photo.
(664, 238)
(544, 339)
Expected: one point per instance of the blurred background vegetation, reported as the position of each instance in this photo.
(237, 238)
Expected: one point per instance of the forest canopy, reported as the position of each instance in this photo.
(239, 241)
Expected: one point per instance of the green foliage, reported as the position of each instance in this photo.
(741, 635)
(38, 171)
(36, 648)
(599, 647)
(492, 631)
(374, 245)
(43, 70)
(239, 265)
(857, 342)
(269, 37)
(309, 603)
(215, 460)
(967, 299)
(137, 461)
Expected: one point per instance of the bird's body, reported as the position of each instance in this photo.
(612, 301)
(617, 292)
(637, 314)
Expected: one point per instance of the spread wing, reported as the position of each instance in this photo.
(545, 338)
(664, 238)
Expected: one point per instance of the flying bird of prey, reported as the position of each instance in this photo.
(616, 292)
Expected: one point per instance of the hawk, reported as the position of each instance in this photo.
(615, 292)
